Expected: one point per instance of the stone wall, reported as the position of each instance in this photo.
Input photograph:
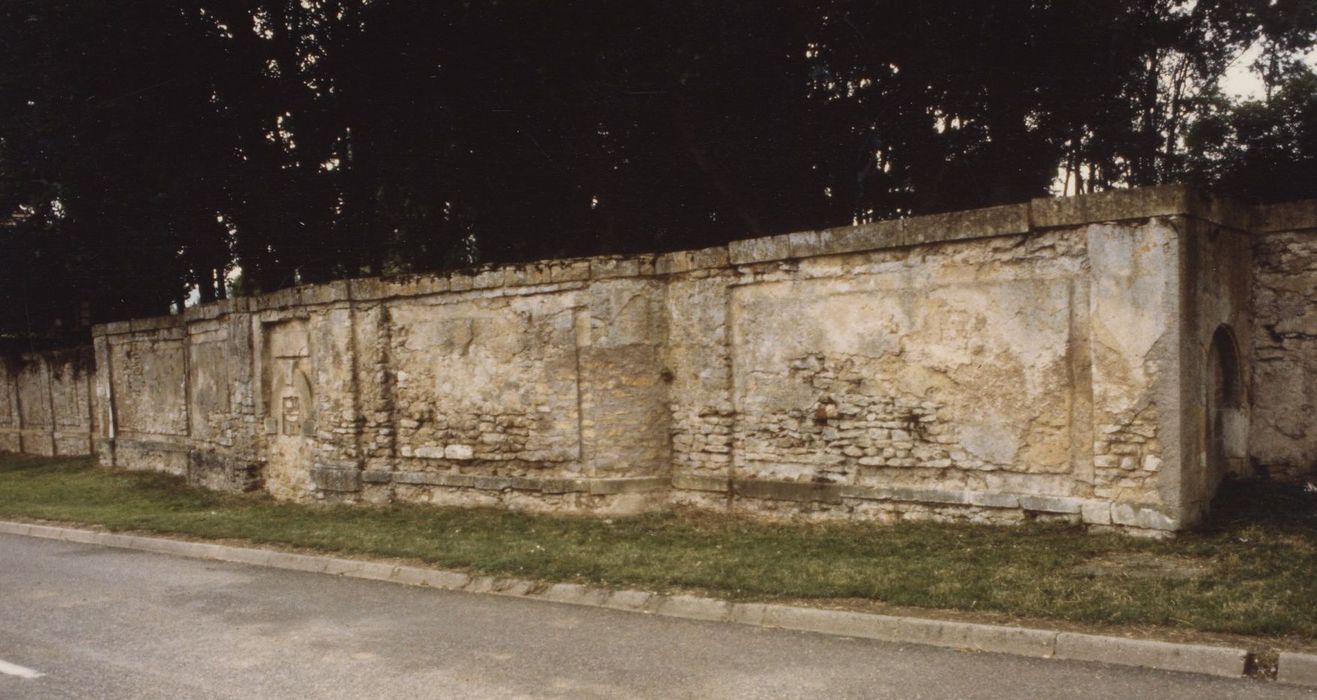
(1216, 325)
(47, 403)
(1283, 435)
(1093, 359)
(1010, 363)
(537, 386)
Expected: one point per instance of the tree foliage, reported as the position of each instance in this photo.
(151, 152)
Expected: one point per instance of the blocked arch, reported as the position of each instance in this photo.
(1225, 444)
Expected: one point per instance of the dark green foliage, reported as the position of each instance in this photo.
(148, 149)
(1263, 150)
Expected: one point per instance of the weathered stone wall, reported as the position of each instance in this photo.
(910, 369)
(47, 403)
(1283, 435)
(1217, 325)
(538, 386)
(995, 365)
(142, 374)
(1061, 359)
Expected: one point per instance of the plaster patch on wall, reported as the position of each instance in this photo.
(842, 387)
(487, 380)
(289, 398)
(1135, 341)
(210, 388)
(150, 388)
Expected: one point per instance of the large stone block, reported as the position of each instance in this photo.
(336, 479)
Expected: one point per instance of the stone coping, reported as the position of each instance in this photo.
(548, 275)
(1224, 661)
(1287, 216)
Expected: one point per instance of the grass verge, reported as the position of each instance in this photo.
(1251, 571)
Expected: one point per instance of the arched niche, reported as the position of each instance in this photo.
(1226, 410)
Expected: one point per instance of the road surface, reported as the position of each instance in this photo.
(97, 622)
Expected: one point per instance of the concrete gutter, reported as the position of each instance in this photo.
(1298, 669)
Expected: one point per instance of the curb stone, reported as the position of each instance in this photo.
(693, 608)
(1190, 658)
(943, 633)
(1298, 669)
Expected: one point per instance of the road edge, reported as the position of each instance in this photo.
(1204, 659)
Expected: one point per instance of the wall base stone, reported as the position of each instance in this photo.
(223, 473)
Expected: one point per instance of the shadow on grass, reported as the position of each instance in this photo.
(1279, 507)
(10, 462)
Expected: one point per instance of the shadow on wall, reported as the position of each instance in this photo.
(1226, 437)
(1279, 506)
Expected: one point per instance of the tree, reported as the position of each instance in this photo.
(152, 152)
(1261, 150)
(91, 165)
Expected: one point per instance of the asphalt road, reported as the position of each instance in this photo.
(109, 623)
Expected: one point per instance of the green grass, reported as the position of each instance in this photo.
(1252, 571)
